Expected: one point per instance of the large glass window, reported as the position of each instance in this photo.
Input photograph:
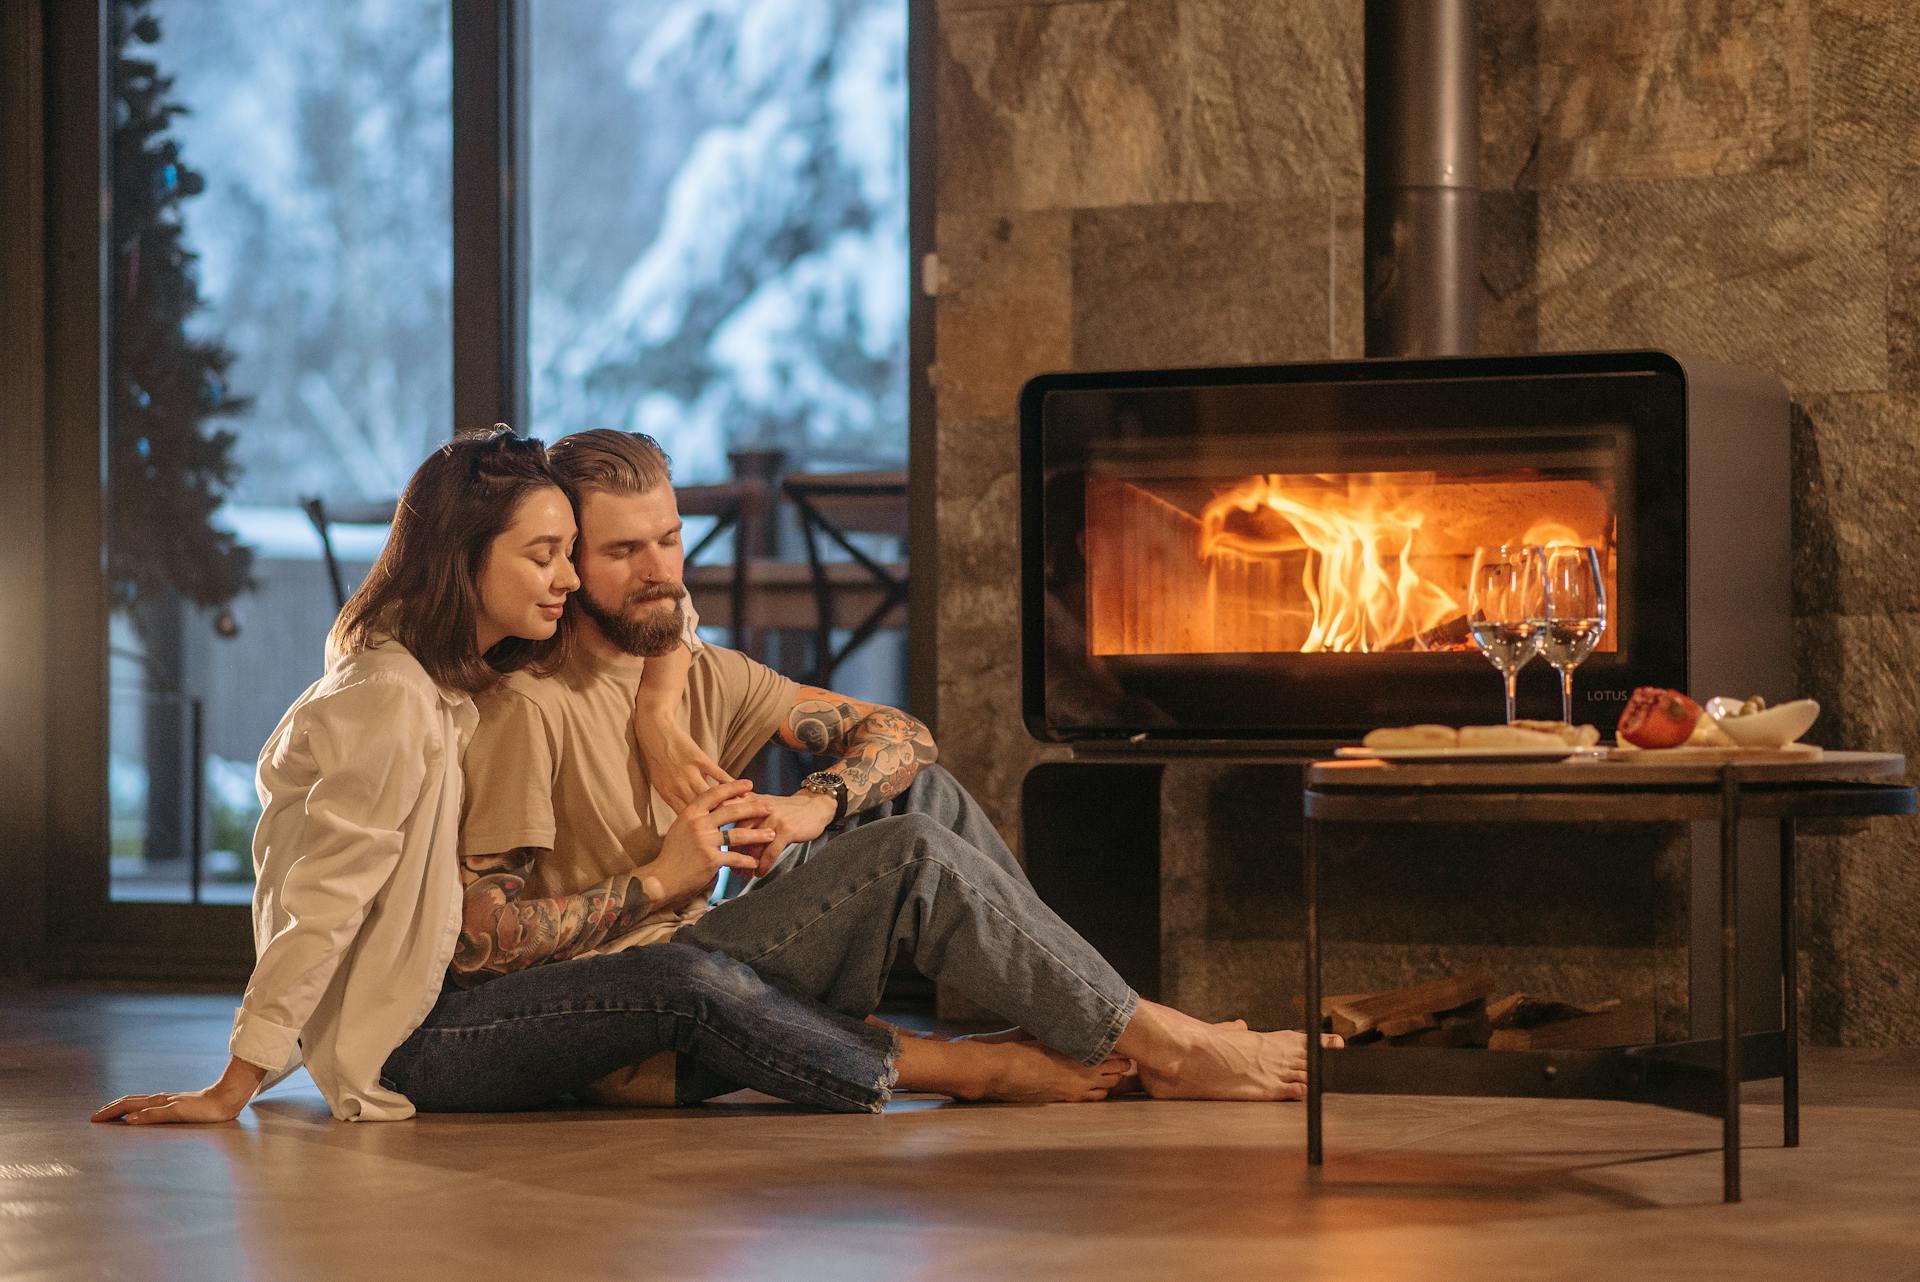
(718, 197)
(282, 263)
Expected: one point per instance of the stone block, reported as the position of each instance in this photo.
(1145, 101)
(1004, 311)
(961, 6)
(1669, 89)
(1509, 250)
(1161, 285)
(1903, 283)
(978, 506)
(1856, 470)
(1785, 271)
(1861, 668)
(1509, 75)
(1861, 933)
(1866, 97)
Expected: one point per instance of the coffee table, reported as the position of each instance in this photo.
(1701, 1075)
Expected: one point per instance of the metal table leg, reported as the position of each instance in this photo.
(1789, 986)
(1310, 865)
(1730, 980)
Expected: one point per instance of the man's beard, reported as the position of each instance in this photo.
(652, 634)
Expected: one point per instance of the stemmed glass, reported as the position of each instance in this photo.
(1576, 614)
(1507, 608)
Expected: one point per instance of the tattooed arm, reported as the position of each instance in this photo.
(500, 932)
(881, 749)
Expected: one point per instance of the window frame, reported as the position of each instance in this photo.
(64, 921)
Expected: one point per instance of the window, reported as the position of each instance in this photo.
(718, 205)
(307, 174)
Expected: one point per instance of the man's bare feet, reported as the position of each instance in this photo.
(1180, 1057)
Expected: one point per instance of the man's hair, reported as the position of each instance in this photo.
(610, 462)
(599, 460)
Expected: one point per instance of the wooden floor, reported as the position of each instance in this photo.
(1413, 1188)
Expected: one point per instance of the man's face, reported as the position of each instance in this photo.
(630, 561)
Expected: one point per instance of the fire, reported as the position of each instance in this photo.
(1313, 563)
(1361, 572)
(1552, 534)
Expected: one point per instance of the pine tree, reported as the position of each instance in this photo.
(167, 466)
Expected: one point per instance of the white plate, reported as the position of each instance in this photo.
(1541, 753)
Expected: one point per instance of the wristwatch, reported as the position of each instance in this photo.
(828, 784)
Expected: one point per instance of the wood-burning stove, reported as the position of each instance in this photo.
(1280, 553)
(1262, 562)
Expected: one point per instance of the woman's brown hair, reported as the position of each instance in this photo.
(424, 591)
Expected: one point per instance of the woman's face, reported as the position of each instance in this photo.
(528, 571)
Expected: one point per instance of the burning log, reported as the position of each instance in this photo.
(1300, 564)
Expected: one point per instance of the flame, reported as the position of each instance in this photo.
(1362, 538)
(1552, 534)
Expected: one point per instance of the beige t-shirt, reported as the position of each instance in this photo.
(553, 764)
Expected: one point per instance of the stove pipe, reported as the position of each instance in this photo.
(1423, 173)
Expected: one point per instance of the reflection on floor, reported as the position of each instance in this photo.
(1128, 1189)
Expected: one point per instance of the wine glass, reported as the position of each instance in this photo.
(1576, 614)
(1507, 608)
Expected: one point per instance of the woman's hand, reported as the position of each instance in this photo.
(220, 1102)
(676, 766)
(696, 846)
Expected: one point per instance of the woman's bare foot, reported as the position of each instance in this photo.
(1180, 1057)
(1029, 1073)
(1022, 1072)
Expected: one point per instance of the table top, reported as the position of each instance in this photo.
(1576, 774)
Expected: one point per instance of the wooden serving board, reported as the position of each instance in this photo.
(1714, 756)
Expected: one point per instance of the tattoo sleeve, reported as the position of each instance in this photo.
(881, 749)
(500, 932)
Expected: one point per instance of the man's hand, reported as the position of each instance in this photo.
(693, 852)
(792, 820)
(220, 1102)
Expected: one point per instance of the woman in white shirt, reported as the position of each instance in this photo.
(357, 899)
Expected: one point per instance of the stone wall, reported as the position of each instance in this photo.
(1157, 182)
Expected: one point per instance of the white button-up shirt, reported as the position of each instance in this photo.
(356, 903)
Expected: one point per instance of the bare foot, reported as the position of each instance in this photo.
(1179, 1057)
(1029, 1073)
(1236, 1064)
(1131, 1083)
(1015, 1072)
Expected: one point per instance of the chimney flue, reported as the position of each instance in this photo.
(1422, 182)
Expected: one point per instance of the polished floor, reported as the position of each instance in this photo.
(1414, 1188)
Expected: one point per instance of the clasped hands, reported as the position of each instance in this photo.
(700, 843)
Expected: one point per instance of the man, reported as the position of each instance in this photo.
(562, 850)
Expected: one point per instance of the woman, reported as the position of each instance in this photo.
(357, 900)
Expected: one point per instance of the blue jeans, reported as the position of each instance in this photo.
(928, 874)
(532, 1037)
